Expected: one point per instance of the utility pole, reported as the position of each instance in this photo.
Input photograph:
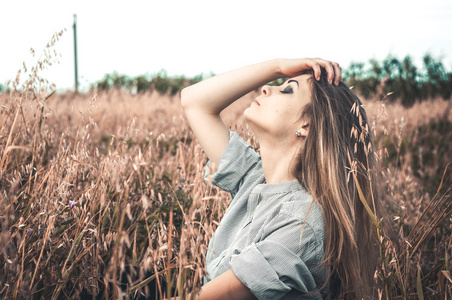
(75, 52)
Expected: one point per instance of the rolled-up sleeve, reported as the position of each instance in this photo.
(280, 262)
(237, 160)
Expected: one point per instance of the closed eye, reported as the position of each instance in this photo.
(287, 90)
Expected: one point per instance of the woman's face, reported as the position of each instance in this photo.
(276, 111)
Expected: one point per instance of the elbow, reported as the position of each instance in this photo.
(185, 98)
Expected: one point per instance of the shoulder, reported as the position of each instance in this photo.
(238, 163)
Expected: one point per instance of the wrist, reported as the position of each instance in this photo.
(277, 63)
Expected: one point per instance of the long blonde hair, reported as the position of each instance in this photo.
(338, 147)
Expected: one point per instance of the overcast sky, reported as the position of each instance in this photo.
(191, 37)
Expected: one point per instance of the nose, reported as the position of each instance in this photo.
(266, 90)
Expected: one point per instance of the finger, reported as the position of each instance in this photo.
(329, 70)
(327, 65)
(316, 68)
(337, 73)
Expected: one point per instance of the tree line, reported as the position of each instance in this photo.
(391, 78)
(159, 82)
(401, 79)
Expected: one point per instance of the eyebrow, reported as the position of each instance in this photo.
(292, 81)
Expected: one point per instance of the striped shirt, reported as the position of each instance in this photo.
(271, 235)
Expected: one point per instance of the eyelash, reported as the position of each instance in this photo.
(287, 90)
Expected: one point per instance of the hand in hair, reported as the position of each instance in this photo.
(295, 67)
(203, 102)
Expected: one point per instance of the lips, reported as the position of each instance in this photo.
(257, 102)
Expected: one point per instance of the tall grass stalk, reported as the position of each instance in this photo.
(105, 194)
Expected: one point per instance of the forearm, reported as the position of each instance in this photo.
(216, 93)
(226, 286)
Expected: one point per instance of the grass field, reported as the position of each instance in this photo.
(107, 189)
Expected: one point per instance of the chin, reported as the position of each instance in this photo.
(250, 118)
(246, 113)
(252, 124)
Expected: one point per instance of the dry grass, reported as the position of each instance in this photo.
(105, 190)
(132, 168)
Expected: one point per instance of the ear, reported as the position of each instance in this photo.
(304, 128)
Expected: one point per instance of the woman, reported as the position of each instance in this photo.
(295, 228)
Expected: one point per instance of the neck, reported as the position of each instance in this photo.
(278, 160)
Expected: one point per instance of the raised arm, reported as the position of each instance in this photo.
(203, 102)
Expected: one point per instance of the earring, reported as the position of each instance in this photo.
(298, 133)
